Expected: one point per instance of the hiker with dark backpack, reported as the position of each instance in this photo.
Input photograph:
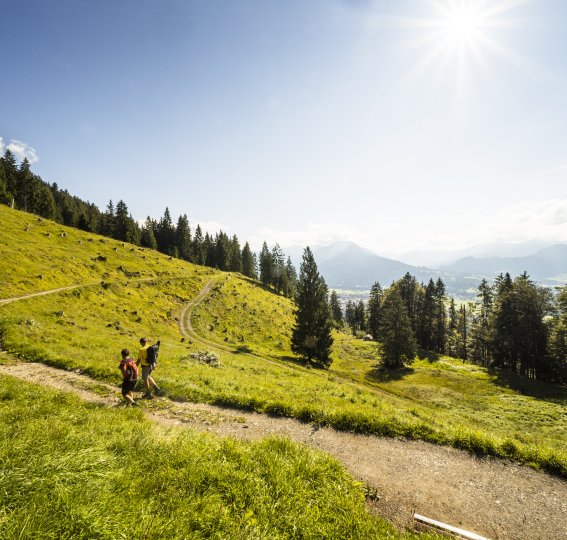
(147, 359)
(129, 370)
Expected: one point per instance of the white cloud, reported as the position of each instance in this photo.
(23, 150)
(523, 222)
(1, 146)
(554, 170)
(314, 234)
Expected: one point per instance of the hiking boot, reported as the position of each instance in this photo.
(148, 395)
(158, 391)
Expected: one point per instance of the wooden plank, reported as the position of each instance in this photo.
(438, 525)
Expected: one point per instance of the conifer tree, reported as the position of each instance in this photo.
(502, 324)
(24, 186)
(412, 295)
(555, 369)
(480, 333)
(426, 327)
(43, 202)
(165, 234)
(248, 262)
(148, 237)
(222, 251)
(266, 266)
(374, 305)
(122, 229)
(336, 310)
(235, 255)
(398, 341)
(199, 251)
(350, 315)
(279, 277)
(440, 317)
(107, 221)
(311, 337)
(291, 279)
(5, 197)
(10, 173)
(183, 238)
(210, 252)
(360, 317)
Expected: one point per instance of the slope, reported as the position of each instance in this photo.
(84, 328)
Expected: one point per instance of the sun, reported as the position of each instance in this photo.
(459, 35)
(464, 22)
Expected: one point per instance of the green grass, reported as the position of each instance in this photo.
(444, 401)
(74, 470)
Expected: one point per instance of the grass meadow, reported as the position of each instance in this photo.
(76, 470)
(442, 401)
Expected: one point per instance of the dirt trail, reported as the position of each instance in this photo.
(494, 498)
(498, 499)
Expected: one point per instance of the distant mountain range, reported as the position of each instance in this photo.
(347, 266)
(545, 264)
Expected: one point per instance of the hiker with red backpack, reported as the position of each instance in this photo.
(147, 359)
(129, 370)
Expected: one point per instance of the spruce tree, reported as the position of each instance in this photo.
(235, 255)
(248, 262)
(107, 221)
(311, 337)
(199, 251)
(10, 173)
(165, 234)
(222, 252)
(279, 277)
(336, 310)
(440, 317)
(350, 315)
(44, 203)
(555, 369)
(360, 316)
(5, 197)
(480, 334)
(148, 237)
(266, 266)
(373, 313)
(291, 279)
(183, 238)
(398, 341)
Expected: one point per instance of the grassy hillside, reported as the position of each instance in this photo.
(72, 470)
(137, 292)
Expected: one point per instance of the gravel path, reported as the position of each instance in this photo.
(494, 498)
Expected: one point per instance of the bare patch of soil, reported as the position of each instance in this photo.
(495, 498)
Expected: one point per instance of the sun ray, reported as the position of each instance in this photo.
(461, 34)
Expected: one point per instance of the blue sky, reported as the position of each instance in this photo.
(403, 125)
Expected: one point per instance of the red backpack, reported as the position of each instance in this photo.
(129, 369)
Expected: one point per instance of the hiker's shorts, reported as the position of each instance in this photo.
(146, 370)
(128, 386)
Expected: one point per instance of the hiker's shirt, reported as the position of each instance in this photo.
(143, 355)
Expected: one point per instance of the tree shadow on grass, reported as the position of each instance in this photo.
(299, 362)
(528, 387)
(382, 374)
(243, 349)
(429, 356)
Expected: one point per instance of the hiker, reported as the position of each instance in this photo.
(129, 370)
(147, 368)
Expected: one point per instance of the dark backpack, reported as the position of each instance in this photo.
(153, 351)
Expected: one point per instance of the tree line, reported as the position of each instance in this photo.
(514, 324)
(24, 190)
